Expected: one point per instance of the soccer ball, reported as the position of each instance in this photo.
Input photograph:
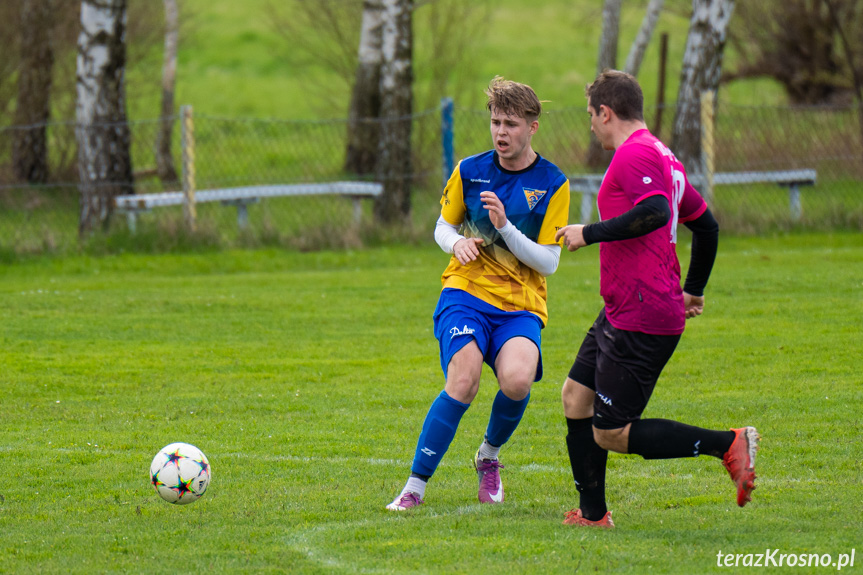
(180, 473)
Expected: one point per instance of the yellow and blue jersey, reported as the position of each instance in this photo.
(536, 201)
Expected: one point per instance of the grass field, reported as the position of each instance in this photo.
(305, 378)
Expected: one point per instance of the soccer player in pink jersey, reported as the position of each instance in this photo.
(643, 197)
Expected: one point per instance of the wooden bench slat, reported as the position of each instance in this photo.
(241, 196)
(588, 185)
(147, 201)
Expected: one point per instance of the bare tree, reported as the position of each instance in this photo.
(447, 25)
(852, 60)
(596, 156)
(10, 60)
(321, 34)
(365, 107)
(30, 148)
(639, 46)
(102, 132)
(164, 159)
(795, 42)
(394, 205)
(702, 66)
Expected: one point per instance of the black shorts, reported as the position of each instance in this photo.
(622, 368)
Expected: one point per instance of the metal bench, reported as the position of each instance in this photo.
(241, 197)
(588, 185)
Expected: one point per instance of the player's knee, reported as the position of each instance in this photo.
(577, 400)
(602, 438)
(610, 439)
(516, 380)
(568, 393)
(516, 388)
(462, 387)
(567, 397)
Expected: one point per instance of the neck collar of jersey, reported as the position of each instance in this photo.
(505, 171)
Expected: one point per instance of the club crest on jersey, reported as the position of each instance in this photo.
(533, 197)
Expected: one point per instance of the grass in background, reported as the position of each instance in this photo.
(305, 379)
(234, 63)
(237, 71)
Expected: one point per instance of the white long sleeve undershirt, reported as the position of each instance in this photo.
(543, 258)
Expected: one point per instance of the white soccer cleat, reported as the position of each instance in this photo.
(405, 501)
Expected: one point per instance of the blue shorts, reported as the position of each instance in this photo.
(461, 317)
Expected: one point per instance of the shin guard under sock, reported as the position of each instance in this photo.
(505, 416)
(666, 439)
(588, 461)
(438, 432)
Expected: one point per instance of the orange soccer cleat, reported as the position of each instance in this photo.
(739, 460)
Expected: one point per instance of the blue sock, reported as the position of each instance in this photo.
(505, 416)
(438, 432)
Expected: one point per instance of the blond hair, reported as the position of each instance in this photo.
(513, 99)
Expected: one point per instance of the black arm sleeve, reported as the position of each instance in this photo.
(705, 240)
(646, 216)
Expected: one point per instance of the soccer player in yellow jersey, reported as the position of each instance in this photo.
(500, 212)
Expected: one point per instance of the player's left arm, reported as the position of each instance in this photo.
(705, 242)
(544, 254)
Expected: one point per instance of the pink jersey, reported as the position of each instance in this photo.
(640, 277)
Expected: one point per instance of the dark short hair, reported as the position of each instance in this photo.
(513, 99)
(618, 91)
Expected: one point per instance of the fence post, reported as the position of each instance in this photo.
(187, 132)
(707, 145)
(794, 202)
(446, 132)
(588, 200)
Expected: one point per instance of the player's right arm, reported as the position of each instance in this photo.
(648, 215)
(452, 215)
(638, 172)
(447, 237)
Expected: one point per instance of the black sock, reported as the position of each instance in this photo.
(588, 467)
(666, 439)
(421, 476)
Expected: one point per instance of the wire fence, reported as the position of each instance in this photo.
(229, 152)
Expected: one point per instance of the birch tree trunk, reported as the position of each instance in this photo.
(29, 148)
(394, 204)
(702, 66)
(164, 159)
(639, 46)
(102, 132)
(610, 34)
(365, 108)
(596, 156)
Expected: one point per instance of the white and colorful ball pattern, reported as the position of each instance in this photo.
(180, 473)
